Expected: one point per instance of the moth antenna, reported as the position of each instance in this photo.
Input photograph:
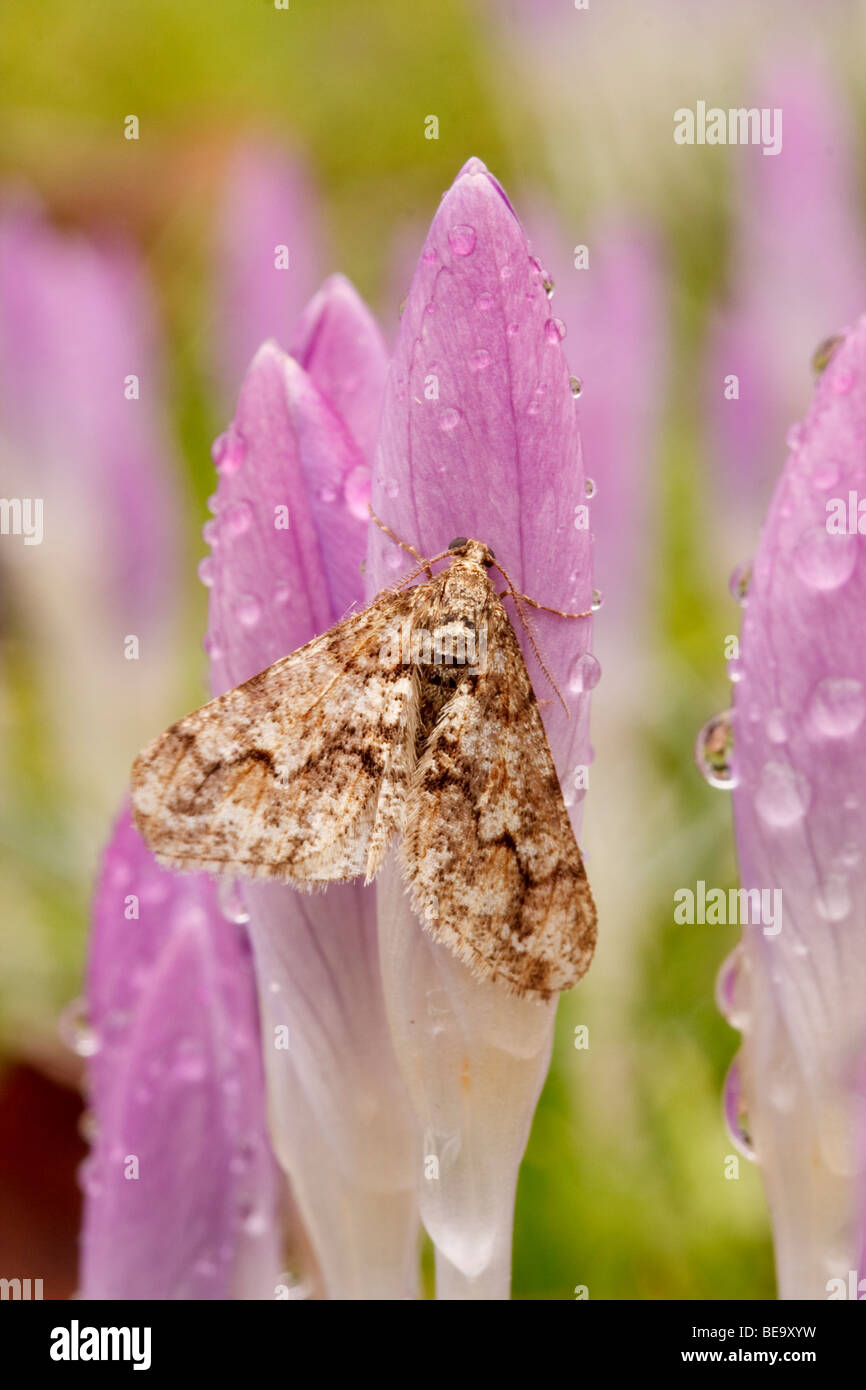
(425, 564)
(558, 611)
(523, 618)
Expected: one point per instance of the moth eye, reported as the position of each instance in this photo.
(458, 542)
(492, 554)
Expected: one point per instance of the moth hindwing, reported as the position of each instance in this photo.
(415, 716)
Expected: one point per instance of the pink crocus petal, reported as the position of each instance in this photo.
(181, 1189)
(797, 268)
(338, 343)
(267, 202)
(337, 1106)
(78, 316)
(479, 438)
(800, 760)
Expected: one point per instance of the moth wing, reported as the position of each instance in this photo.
(488, 848)
(300, 773)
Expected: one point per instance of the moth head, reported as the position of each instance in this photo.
(476, 551)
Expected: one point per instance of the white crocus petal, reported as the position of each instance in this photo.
(474, 1060)
(338, 1115)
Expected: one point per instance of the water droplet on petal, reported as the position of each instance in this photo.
(231, 901)
(825, 474)
(357, 489)
(462, 239)
(777, 726)
(206, 571)
(449, 419)
(479, 360)
(229, 451)
(732, 992)
(584, 674)
(328, 493)
(484, 303)
(429, 255)
(576, 386)
(237, 518)
(735, 670)
(783, 795)
(75, 1029)
(213, 503)
(190, 1064)
(842, 383)
(210, 533)
(825, 561)
(735, 1112)
(513, 329)
(590, 487)
(714, 750)
(213, 646)
(248, 610)
(554, 330)
(393, 561)
(548, 286)
(741, 578)
(833, 898)
(837, 707)
(794, 436)
(391, 487)
(282, 593)
(597, 600)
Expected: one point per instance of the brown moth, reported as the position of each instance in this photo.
(414, 717)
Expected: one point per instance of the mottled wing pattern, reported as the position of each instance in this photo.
(300, 774)
(488, 848)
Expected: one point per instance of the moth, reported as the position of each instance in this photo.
(414, 717)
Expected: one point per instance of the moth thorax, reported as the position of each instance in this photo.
(453, 642)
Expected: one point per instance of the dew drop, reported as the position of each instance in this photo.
(777, 726)
(837, 707)
(714, 750)
(597, 600)
(506, 272)
(229, 451)
(328, 493)
(210, 533)
(206, 571)
(794, 436)
(590, 487)
(231, 901)
(357, 491)
(513, 329)
(449, 419)
(393, 561)
(584, 674)
(576, 386)
(548, 286)
(735, 670)
(429, 255)
(282, 593)
(462, 239)
(190, 1065)
(213, 502)
(237, 518)
(391, 487)
(833, 898)
(741, 578)
(248, 610)
(479, 360)
(842, 383)
(825, 474)
(823, 561)
(783, 795)
(212, 646)
(554, 330)
(735, 1112)
(484, 303)
(75, 1029)
(732, 990)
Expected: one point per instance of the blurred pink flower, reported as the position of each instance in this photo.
(797, 266)
(796, 988)
(268, 254)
